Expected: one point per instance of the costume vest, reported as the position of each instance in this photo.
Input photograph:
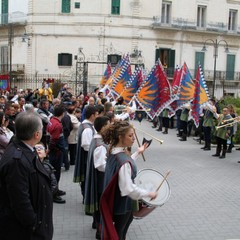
(124, 204)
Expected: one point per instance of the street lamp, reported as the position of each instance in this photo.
(26, 38)
(10, 43)
(215, 55)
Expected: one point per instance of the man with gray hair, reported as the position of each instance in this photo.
(25, 185)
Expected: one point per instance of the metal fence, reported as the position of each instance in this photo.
(222, 85)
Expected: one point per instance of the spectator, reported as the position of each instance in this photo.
(25, 190)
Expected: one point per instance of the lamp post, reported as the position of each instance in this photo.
(215, 44)
(10, 43)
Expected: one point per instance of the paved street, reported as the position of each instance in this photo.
(204, 202)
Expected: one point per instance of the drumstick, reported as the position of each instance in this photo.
(139, 145)
(161, 182)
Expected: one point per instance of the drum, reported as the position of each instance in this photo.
(150, 180)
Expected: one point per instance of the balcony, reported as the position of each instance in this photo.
(16, 69)
(18, 18)
(189, 24)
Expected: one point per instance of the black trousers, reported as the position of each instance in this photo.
(72, 152)
(207, 135)
(221, 144)
(122, 223)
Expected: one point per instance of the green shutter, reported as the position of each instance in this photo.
(157, 54)
(230, 67)
(66, 6)
(4, 13)
(171, 59)
(199, 59)
(116, 7)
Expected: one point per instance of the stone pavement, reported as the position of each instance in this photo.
(204, 202)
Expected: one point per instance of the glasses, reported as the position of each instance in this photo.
(40, 148)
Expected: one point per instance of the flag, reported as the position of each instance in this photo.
(106, 75)
(132, 86)
(118, 72)
(155, 92)
(176, 81)
(201, 96)
(124, 74)
(187, 86)
(175, 90)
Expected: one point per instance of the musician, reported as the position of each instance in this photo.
(117, 199)
(223, 133)
(86, 132)
(233, 113)
(184, 122)
(208, 123)
(96, 163)
(165, 120)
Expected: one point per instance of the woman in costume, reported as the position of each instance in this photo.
(116, 204)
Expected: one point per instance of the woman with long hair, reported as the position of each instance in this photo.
(119, 188)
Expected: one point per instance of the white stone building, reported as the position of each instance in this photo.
(174, 30)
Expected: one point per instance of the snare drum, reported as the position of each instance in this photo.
(150, 180)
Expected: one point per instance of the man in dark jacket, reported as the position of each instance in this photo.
(25, 185)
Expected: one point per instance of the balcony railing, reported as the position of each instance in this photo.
(13, 18)
(16, 68)
(192, 24)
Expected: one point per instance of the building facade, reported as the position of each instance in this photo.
(51, 38)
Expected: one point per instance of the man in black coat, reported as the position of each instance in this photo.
(25, 185)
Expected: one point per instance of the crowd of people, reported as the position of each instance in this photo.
(41, 135)
(211, 129)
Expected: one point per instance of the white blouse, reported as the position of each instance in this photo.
(100, 156)
(125, 183)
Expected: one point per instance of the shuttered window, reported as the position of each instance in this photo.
(66, 6)
(116, 7)
(230, 67)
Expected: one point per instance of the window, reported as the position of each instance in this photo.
(166, 13)
(66, 6)
(4, 12)
(167, 58)
(232, 20)
(4, 59)
(201, 16)
(116, 7)
(64, 59)
(77, 4)
(230, 67)
(113, 59)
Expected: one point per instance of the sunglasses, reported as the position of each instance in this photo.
(40, 148)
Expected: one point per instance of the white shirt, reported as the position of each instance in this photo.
(100, 156)
(87, 136)
(125, 183)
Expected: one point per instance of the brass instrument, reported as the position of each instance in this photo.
(234, 121)
(231, 119)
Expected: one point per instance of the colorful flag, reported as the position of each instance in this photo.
(201, 96)
(121, 80)
(187, 87)
(118, 71)
(176, 81)
(175, 90)
(132, 86)
(106, 75)
(155, 92)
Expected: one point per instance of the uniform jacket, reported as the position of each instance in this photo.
(25, 195)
